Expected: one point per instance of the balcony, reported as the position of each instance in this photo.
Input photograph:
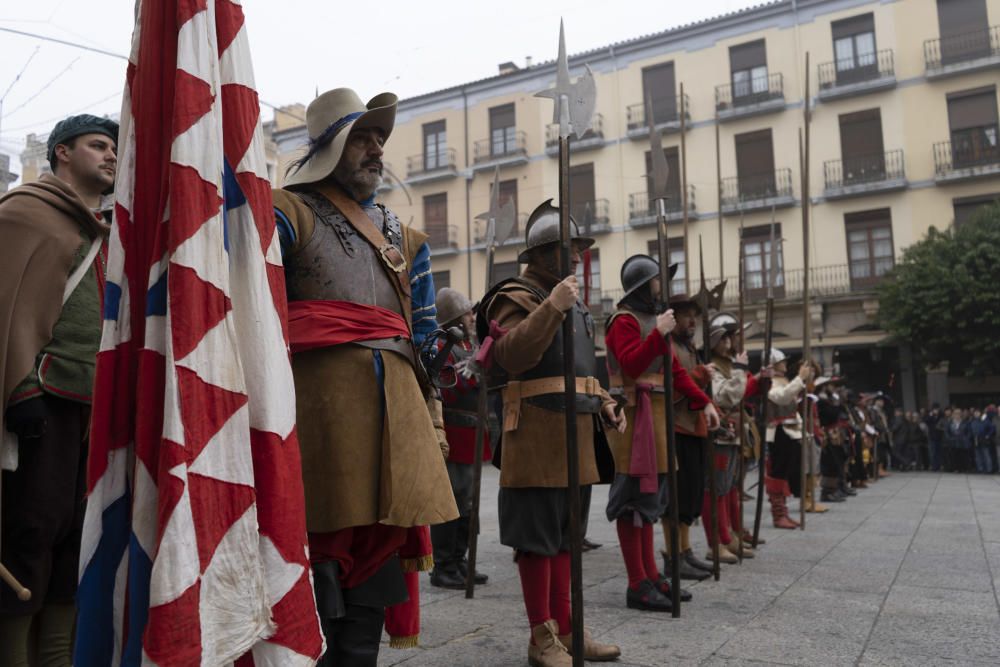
(508, 151)
(760, 95)
(442, 239)
(429, 167)
(865, 175)
(958, 54)
(825, 282)
(592, 217)
(389, 178)
(642, 211)
(757, 192)
(668, 121)
(516, 237)
(970, 156)
(847, 78)
(592, 138)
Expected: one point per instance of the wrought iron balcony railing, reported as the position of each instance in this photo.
(642, 210)
(942, 52)
(740, 191)
(969, 150)
(851, 71)
(442, 237)
(592, 216)
(513, 144)
(749, 92)
(866, 169)
(663, 113)
(428, 163)
(832, 280)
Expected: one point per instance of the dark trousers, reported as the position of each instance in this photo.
(451, 539)
(936, 455)
(691, 457)
(353, 639)
(43, 507)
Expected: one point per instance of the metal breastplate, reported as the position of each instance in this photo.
(338, 264)
(647, 322)
(462, 407)
(551, 364)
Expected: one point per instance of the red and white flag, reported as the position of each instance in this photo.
(194, 549)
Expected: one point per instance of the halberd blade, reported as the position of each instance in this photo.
(499, 219)
(661, 170)
(580, 97)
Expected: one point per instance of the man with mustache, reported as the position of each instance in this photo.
(52, 235)
(361, 299)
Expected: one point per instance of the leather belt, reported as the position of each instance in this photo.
(619, 387)
(518, 390)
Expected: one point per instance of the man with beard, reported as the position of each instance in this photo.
(637, 343)
(784, 438)
(52, 237)
(525, 315)
(360, 298)
(451, 539)
(691, 429)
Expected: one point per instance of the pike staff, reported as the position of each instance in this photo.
(499, 225)
(574, 111)
(661, 174)
(765, 412)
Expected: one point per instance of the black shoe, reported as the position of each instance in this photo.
(696, 562)
(831, 497)
(688, 573)
(479, 578)
(663, 585)
(647, 598)
(848, 491)
(589, 545)
(450, 579)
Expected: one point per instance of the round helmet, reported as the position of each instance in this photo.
(543, 229)
(451, 305)
(777, 356)
(639, 270)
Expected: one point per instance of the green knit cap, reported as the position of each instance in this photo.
(75, 126)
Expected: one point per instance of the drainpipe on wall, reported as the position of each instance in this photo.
(468, 185)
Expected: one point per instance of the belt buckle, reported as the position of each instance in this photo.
(384, 253)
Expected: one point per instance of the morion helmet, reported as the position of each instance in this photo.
(543, 229)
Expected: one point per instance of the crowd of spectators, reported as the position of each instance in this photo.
(952, 439)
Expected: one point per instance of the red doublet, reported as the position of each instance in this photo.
(462, 439)
(635, 355)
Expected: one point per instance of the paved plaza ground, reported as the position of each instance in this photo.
(904, 574)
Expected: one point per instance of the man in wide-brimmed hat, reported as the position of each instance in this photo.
(360, 298)
(51, 236)
(637, 342)
(691, 426)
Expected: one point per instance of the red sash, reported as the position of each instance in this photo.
(313, 324)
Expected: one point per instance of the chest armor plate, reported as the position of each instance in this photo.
(551, 364)
(338, 264)
(647, 322)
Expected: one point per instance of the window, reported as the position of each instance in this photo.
(755, 165)
(502, 133)
(861, 147)
(658, 90)
(435, 146)
(436, 220)
(675, 248)
(441, 279)
(967, 207)
(594, 296)
(854, 49)
(972, 117)
(581, 195)
(748, 64)
(757, 261)
(869, 246)
(504, 270)
(964, 28)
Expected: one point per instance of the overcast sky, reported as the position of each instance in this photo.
(300, 46)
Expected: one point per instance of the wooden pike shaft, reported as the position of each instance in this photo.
(684, 194)
(807, 432)
(569, 377)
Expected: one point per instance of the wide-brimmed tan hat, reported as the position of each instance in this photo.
(329, 119)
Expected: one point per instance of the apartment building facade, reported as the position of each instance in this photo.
(903, 136)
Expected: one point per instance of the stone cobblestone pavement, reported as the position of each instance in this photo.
(906, 573)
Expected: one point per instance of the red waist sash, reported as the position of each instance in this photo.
(317, 323)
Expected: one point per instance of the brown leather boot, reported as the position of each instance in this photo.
(725, 555)
(779, 512)
(811, 504)
(738, 545)
(593, 650)
(545, 649)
